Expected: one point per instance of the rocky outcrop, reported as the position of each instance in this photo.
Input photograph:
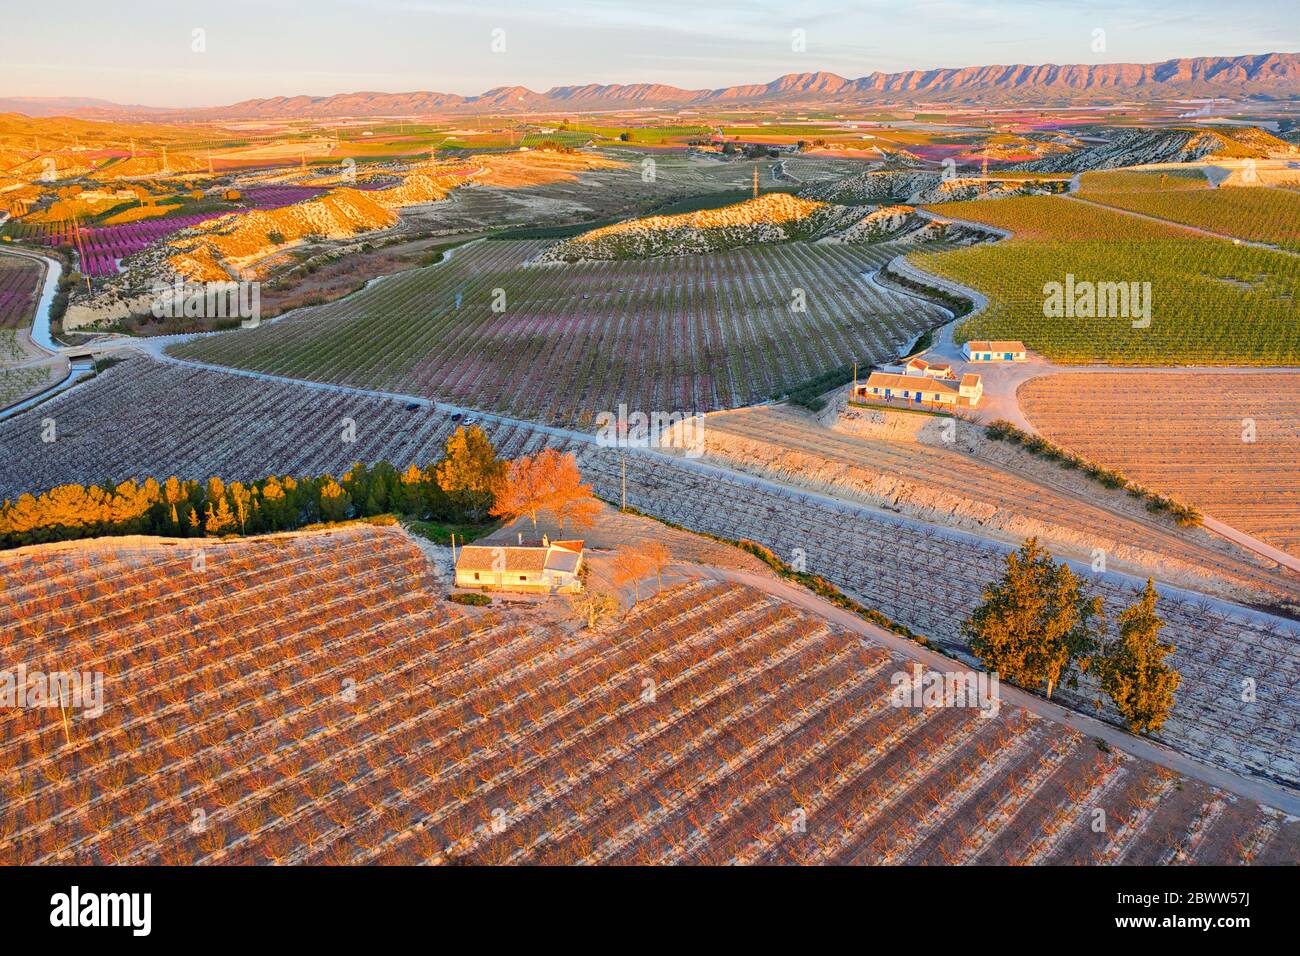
(776, 217)
(1137, 147)
(923, 188)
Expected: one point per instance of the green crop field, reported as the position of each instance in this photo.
(645, 135)
(1135, 180)
(683, 334)
(1212, 302)
(565, 137)
(1254, 213)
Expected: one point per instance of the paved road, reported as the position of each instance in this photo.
(1263, 792)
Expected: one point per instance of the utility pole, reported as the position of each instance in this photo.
(855, 381)
(756, 180)
(623, 459)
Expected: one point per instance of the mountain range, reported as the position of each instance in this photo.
(1259, 76)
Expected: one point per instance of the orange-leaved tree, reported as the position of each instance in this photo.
(630, 566)
(545, 482)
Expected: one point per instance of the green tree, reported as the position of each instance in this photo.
(335, 503)
(470, 471)
(1133, 671)
(220, 518)
(1037, 627)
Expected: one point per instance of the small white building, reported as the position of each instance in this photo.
(919, 366)
(535, 567)
(994, 350)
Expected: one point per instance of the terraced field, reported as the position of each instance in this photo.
(1212, 302)
(1186, 434)
(931, 579)
(561, 343)
(372, 723)
(989, 489)
(872, 555)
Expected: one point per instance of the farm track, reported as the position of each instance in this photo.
(489, 738)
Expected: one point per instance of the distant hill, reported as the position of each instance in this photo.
(82, 106)
(922, 188)
(1265, 75)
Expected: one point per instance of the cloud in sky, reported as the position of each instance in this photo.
(142, 52)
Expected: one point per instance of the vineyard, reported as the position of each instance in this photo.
(144, 418)
(1186, 434)
(1255, 213)
(274, 197)
(1212, 302)
(1096, 184)
(566, 342)
(875, 557)
(19, 287)
(372, 723)
(16, 383)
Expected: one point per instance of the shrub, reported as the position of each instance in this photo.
(471, 599)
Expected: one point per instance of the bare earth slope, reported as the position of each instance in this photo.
(909, 464)
(775, 217)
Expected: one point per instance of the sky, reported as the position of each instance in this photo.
(148, 51)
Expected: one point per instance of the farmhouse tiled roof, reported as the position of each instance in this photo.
(502, 558)
(917, 382)
(531, 556)
(996, 345)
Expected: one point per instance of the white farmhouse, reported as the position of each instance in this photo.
(994, 350)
